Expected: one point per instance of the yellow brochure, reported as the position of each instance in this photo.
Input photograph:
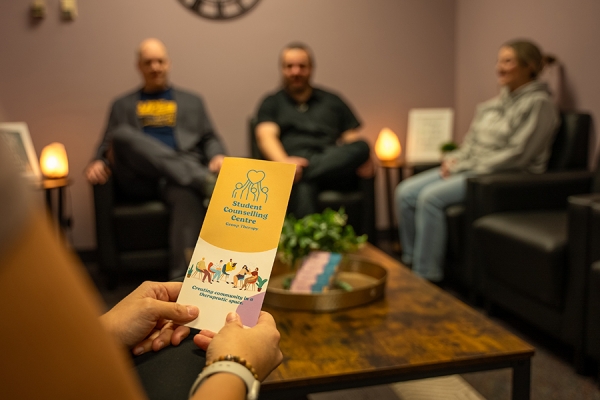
(231, 264)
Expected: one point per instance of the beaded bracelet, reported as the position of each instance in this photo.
(236, 359)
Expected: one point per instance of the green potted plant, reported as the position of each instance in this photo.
(327, 231)
(189, 271)
(356, 281)
(448, 147)
(260, 283)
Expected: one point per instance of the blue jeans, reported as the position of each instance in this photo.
(421, 202)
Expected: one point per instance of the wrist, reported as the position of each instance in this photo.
(106, 322)
(110, 326)
(280, 157)
(212, 387)
(230, 365)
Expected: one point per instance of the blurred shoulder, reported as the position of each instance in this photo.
(187, 95)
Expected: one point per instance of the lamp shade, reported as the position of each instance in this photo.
(387, 146)
(53, 161)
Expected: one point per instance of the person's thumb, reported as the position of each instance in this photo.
(233, 319)
(176, 312)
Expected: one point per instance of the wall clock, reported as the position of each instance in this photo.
(219, 9)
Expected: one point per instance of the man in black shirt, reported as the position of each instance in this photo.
(313, 129)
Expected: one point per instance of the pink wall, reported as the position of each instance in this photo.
(567, 29)
(384, 56)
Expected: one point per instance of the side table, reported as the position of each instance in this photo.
(388, 166)
(56, 188)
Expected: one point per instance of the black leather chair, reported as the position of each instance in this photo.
(131, 235)
(359, 204)
(569, 153)
(592, 318)
(529, 248)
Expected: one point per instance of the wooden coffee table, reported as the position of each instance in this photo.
(417, 331)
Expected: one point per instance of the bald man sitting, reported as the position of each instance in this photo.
(160, 143)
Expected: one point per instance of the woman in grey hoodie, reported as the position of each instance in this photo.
(511, 132)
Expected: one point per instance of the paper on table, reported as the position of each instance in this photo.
(233, 259)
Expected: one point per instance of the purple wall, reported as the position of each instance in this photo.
(567, 29)
(384, 56)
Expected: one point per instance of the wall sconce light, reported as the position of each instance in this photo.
(387, 146)
(68, 9)
(54, 162)
(38, 9)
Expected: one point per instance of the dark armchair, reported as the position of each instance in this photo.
(132, 235)
(529, 248)
(592, 318)
(359, 204)
(569, 153)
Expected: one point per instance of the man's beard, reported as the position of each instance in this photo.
(292, 86)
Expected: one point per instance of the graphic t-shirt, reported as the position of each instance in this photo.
(157, 113)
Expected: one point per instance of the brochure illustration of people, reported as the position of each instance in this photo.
(201, 270)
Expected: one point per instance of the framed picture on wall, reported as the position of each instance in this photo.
(16, 137)
(428, 129)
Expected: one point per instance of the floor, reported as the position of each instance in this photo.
(553, 376)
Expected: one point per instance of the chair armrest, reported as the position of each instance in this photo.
(367, 187)
(520, 192)
(583, 231)
(592, 321)
(595, 235)
(580, 247)
(104, 198)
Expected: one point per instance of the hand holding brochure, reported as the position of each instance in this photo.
(231, 264)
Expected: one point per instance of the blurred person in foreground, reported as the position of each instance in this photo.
(54, 345)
